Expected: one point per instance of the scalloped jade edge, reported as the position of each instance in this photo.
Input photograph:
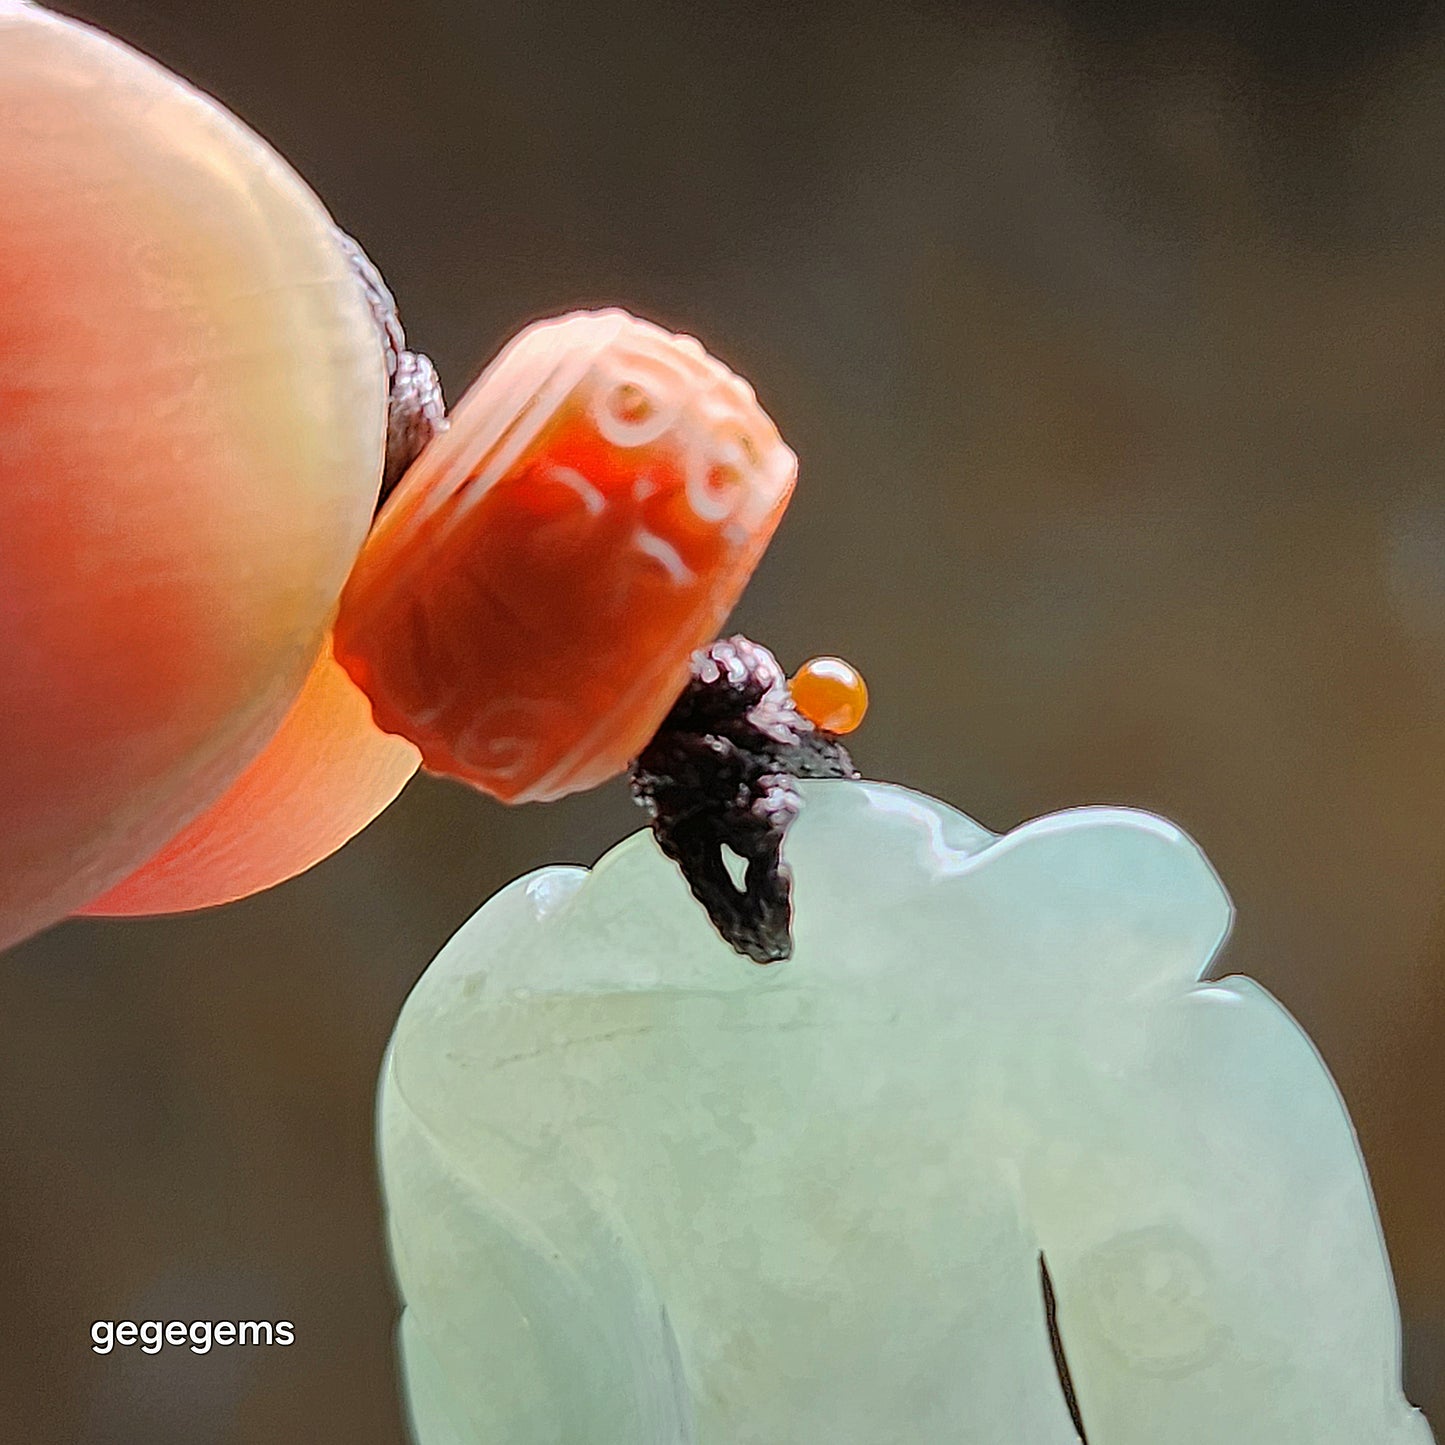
(641, 1192)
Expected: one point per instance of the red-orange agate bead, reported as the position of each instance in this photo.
(527, 602)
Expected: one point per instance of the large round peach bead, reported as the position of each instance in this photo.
(326, 773)
(192, 404)
(526, 605)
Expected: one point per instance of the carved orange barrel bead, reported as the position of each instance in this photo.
(527, 602)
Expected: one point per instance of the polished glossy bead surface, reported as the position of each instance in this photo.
(640, 1190)
(192, 414)
(527, 602)
(830, 693)
(324, 775)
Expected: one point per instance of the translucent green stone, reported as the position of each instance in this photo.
(643, 1192)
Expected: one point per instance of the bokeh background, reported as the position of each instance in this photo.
(1112, 338)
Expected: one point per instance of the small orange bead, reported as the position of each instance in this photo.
(831, 694)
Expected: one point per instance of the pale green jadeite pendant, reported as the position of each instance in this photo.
(643, 1192)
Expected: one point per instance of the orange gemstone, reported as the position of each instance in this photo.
(192, 416)
(527, 602)
(325, 774)
(831, 694)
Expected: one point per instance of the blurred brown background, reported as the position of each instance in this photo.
(1112, 338)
